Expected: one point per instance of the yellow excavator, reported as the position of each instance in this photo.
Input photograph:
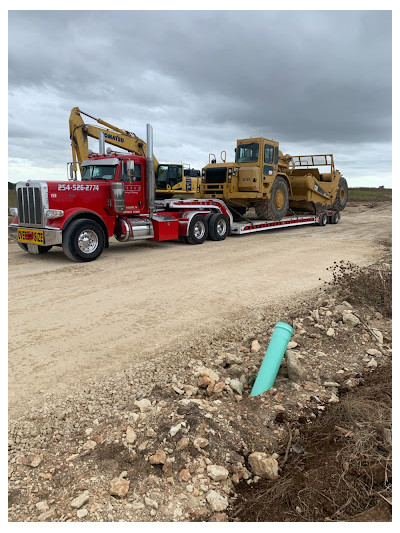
(171, 179)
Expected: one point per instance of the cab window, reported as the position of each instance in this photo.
(247, 153)
(268, 154)
(124, 173)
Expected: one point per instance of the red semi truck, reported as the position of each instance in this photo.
(116, 197)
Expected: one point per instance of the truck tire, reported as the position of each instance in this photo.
(83, 240)
(276, 207)
(334, 218)
(323, 219)
(341, 195)
(198, 230)
(41, 249)
(218, 227)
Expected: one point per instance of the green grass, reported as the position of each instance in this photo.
(369, 194)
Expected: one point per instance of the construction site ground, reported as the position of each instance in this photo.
(129, 377)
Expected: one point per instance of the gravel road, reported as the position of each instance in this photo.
(69, 323)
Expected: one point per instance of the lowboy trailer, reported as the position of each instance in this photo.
(116, 197)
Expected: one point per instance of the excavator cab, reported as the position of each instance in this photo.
(168, 176)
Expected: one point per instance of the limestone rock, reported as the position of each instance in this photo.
(263, 465)
(217, 473)
(330, 332)
(119, 487)
(374, 352)
(350, 320)
(216, 501)
(81, 513)
(377, 335)
(372, 363)
(237, 386)
(255, 346)
(292, 344)
(130, 435)
(294, 368)
(200, 442)
(182, 444)
(143, 405)
(80, 500)
(232, 359)
(158, 458)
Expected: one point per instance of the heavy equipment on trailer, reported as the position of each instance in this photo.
(116, 197)
(273, 183)
(170, 178)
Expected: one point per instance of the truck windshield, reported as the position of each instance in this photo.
(247, 153)
(98, 172)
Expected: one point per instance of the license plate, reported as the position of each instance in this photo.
(31, 236)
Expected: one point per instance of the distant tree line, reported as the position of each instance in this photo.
(11, 185)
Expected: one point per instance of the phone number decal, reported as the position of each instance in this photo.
(77, 187)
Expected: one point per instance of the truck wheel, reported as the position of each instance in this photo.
(323, 219)
(41, 249)
(276, 207)
(83, 240)
(198, 230)
(341, 195)
(334, 218)
(218, 227)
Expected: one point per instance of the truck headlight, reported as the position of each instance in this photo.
(54, 213)
(13, 211)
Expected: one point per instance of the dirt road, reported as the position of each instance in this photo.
(71, 322)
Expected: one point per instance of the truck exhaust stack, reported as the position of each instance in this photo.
(102, 143)
(150, 177)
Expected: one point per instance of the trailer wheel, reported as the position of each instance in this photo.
(334, 218)
(276, 207)
(198, 230)
(341, 195)
(83, 240)
(218, 227)
(323, 219)
(41, 249)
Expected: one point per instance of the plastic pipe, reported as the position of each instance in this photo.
(273, 358)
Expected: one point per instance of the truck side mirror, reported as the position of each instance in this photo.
(130, 168)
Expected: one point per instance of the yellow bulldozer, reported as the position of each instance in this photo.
(273, 183)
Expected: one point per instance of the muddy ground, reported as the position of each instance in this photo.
(166, 434)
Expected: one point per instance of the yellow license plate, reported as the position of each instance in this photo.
(31, 236)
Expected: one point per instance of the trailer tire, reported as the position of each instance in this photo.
(41, 249)
(83, 240)
(218, 227)
(277, 206)
(341, 195)
(323, 219)
(334, 218)
(198, 230)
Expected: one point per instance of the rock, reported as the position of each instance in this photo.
(263, 465)
(130, 435)
(255, 346)
(237, 386)
(182, 444)
(204, 371)
(219, 387)
(205, 382)
(232, 359)
(350, 320)
(219, 517)
(133, 455)
(216, 501)
(217, 473)
(80, 500)
(190, 390)
(89, 445)
(321, 354)
(178, 390)
(137, 506)
(151, 433)
(374, 352)
(293, 366)
(158, 458)
(82, 513)
(347, 305)
(387, 435)
(330, 332)
(42, 506)
(184, 475)
(167, 467)
(315, 314)
(292, 344)
(377, 335)
(119, 487)
(298, 448)
(46, 515)
(372, 363)
(331, 384)
(174, 430)
(143, 405)
(200, 442)
(32, 460)
(150, 503)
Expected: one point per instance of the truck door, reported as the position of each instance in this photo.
(271, 156)
(134, 188)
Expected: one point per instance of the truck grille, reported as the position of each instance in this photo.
(30, 206)
(216, 175)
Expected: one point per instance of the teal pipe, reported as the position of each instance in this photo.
(273, 358)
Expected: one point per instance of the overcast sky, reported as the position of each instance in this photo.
(316, 81)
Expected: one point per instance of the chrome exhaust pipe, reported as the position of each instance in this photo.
(102, 143)
(150, 174)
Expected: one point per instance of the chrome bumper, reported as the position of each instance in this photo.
(51, 236)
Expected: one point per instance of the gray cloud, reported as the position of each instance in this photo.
(203, 79)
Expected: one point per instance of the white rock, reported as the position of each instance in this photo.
(377, 335)
(204, 371)
(130, 435)
(374, 352)
(255, 346)
(174, 430)
(372, 363)
(263, 465)
(217, 473)
(82, 513)
(292, 344)
(216, 501)
(231, 359)
(80, 500)
(330, 332)
(143, 405)
(42, 506)
(237, 386)
(350, 320)
(150, 503)
(295, 371)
